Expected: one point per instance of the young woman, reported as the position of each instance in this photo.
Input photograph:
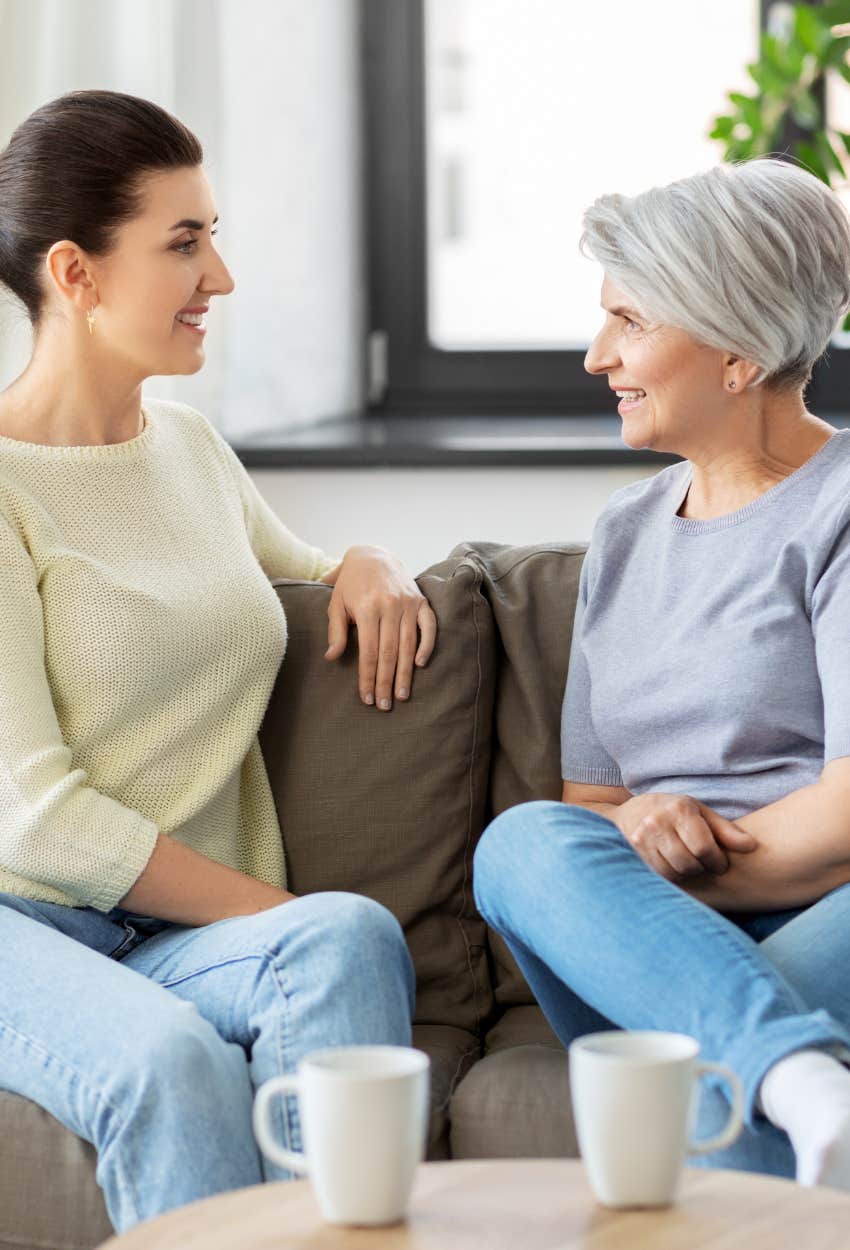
(154, 969)
(695, 876)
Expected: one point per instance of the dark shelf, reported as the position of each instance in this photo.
(452, 442)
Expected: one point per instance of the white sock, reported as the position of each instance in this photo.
(808, 1095)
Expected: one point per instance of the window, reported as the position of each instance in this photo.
(491, 126)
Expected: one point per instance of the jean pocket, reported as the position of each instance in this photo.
(130, 940)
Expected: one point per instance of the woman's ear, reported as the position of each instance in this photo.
(69, 271)
(738, 373)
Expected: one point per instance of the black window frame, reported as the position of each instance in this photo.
(414, 377)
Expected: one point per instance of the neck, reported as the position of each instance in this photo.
(762, 440)
(69, 395)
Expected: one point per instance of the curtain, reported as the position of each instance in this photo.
(272, 89)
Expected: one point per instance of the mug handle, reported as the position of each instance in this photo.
(736, 1114)
(292, 1159)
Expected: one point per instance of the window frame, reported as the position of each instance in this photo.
(408, 375)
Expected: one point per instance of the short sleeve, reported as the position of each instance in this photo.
(830, 615)
(583, 758)
(55, 829)
(278, 551)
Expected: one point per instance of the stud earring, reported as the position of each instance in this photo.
(90, 320)
(731, 386)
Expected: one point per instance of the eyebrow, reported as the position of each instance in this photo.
(188, 223)
(622, 312)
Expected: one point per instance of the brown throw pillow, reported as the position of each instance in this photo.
(532, 593)
(390, 804)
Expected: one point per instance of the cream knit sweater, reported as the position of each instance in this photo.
(140, 638)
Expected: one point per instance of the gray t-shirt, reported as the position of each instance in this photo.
(712, 658)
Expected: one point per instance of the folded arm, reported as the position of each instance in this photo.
(802, 852)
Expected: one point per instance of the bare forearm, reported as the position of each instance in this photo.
(604, 809)
(182, 885)
(803, 853)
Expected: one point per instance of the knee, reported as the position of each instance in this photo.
(360, 922)
(503, 844)
(531, 840)
(360, 934)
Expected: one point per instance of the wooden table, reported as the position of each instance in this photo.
(515, 1204)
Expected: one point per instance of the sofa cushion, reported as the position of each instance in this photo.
(515, 1102)
(521, 1026)
(452, 1053)
(49, 1197)
(532, 594)
(390, 805)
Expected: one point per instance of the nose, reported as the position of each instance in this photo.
(602, 355)
(217, 279)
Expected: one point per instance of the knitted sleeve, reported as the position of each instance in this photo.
(54, 828)
(278, 551)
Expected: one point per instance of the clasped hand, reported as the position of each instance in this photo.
(679, 837)
(374, 592)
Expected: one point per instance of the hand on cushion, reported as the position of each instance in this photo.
(677, 836)
(373, 591)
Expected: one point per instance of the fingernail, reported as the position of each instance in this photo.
(369, 698)
(402, 694)
(385, 704)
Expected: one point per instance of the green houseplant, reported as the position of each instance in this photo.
(805, 44)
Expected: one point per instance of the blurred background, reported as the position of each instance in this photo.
(400, 185)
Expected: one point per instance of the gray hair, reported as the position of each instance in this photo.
(752, 258)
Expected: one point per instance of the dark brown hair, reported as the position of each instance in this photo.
(73, 170)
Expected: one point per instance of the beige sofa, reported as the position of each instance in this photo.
(391, 806)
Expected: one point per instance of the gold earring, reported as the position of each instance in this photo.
(90, 320)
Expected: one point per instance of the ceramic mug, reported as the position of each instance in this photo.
(364, 1118)
(633, 1104)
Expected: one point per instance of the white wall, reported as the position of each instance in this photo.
(422, 513)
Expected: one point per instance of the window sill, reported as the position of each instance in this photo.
(425, 442)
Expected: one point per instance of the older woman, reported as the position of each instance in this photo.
(695, 875)
(154, 967)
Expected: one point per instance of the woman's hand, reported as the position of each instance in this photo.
(678, 836)
(373, 591)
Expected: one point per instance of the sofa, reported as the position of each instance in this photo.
(391, 805)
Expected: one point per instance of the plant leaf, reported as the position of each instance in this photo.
(835, 14)
(723, 127)
(768, 79)
(750, 110)
(811, 30)
(809, 157)
(828, 154)
(836, 54)
(774, 52)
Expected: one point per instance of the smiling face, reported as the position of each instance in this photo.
(156, 284)
(671, 381)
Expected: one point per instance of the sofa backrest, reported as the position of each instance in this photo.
(532, 594)
(391, 805)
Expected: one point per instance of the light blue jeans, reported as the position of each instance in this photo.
(605, 942)
(148, 1038)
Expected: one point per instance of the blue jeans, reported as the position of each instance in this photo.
(149, 1038)
(604, 942)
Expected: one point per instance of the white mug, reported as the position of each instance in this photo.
(633, 1104)
(364, 1120)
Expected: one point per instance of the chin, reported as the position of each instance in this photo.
(634, 441)
(171, 370)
